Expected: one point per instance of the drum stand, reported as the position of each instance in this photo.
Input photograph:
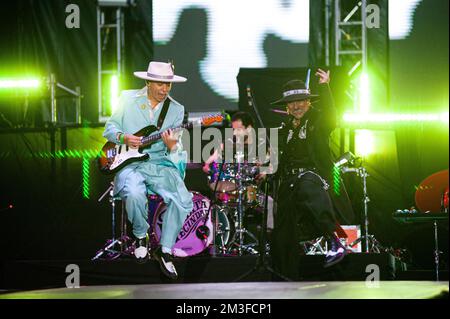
(318, 246)
(216, 225)
(114, 247)
(238, 236)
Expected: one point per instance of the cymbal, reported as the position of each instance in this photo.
(430, 191)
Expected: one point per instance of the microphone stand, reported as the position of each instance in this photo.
(262, 264)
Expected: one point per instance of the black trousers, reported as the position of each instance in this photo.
(301, 202)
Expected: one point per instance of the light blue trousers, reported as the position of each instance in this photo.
(167, 183)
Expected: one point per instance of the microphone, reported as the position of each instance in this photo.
(349, 170)
(347, 157)
(307, 79)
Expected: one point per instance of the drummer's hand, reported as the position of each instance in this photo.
(132, 140)
(169, 139)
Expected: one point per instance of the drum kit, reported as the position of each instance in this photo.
(214, 226)
(236, 196)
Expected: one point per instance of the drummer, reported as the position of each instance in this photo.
(242, 124)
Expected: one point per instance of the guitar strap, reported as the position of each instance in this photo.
(163, 114)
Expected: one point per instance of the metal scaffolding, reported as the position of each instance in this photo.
(346, 20)
(110, 62)
(350, 36)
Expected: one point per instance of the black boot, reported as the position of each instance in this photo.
(336, 253)
(165, 263)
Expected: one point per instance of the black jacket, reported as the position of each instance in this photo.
(322, 118)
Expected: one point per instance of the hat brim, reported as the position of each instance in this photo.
(293, 98)
(144, 76)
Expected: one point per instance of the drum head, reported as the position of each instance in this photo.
(196, 232)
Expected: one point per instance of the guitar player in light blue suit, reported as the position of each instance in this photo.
(163, 172)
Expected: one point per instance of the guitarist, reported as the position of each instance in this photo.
(163, 172)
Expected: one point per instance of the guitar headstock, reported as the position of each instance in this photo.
(211, 119)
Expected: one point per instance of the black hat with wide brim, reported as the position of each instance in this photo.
(295, 90)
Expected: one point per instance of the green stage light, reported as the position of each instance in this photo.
(19, 83)
(364, 143)
(337, 180)
(364, 93)
(66, 154)
(86, 177)
(393, 117)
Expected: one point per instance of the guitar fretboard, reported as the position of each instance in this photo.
(206, 120)
(152, 138)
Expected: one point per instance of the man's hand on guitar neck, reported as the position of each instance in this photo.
(169, 139)
(132, 140)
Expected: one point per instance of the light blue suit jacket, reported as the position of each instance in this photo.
(133, 114)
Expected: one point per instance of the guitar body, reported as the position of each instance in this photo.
(114, 157)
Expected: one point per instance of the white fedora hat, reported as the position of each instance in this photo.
(161, 72)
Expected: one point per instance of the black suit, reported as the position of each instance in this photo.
(307, 202)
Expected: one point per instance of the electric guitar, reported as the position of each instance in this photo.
(113, 157)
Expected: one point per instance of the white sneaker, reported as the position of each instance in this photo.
(141, 250)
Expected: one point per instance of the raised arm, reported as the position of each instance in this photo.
(326, 102)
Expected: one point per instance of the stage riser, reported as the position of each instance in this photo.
(198, 269)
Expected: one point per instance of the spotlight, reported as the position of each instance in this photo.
(345, 158)
(19, 83)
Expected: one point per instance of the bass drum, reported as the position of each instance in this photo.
(196, 233)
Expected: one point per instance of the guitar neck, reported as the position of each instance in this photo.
(205, 121)
(152, 138)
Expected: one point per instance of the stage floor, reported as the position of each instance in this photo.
(47, 274)
(248, 290)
